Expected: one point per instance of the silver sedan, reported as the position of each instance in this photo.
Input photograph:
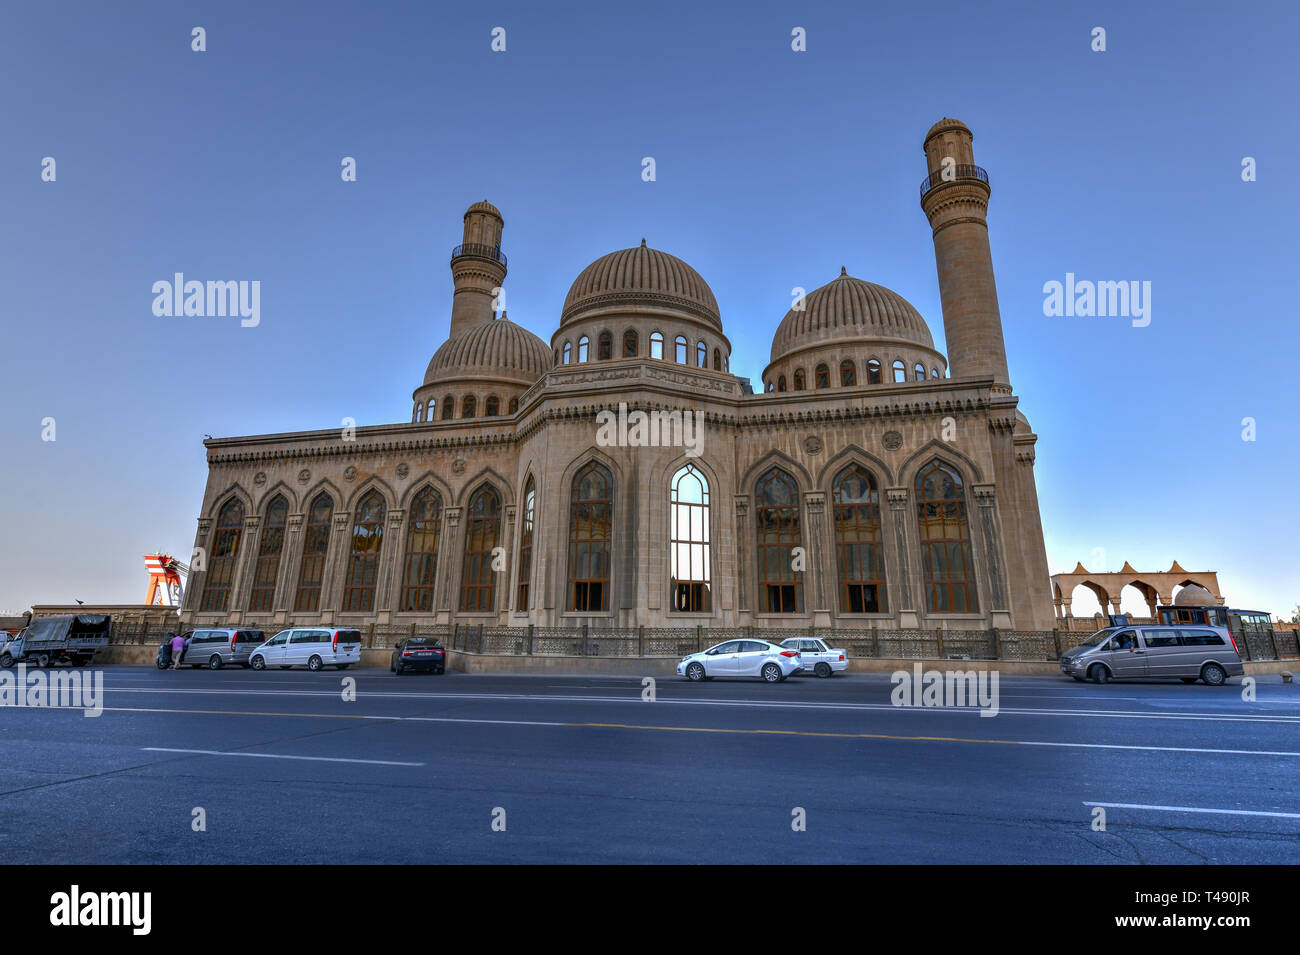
(741, 658)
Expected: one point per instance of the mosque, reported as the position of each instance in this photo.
(869, 482)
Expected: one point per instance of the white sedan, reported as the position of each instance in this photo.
(818, 657)
(741, 658)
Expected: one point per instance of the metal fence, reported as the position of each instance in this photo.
(1028, 646)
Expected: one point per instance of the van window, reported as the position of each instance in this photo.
(249, 636)
(1201, 638)
(311, 636)
(349, 636)
(281, 638)
(1160, 638)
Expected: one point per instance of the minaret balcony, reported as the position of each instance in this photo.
(479, 250)
(953, 174)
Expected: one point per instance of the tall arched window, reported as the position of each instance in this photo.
(478, 583)
(514, 406)
(428, 410)
(717, 360)
(691, 571)
(873, 372)
(568, 353)
(680, 344)
(848, 374)
(605, 346)
(492, 407)
(934, 372)
(630, 343)
(859, 547)
(363, 561)
(525, 563)
(583, 342)
(823, 376)
(780, 382)
(221, 556)
(591, 526)
(701, 355)
(776, 516)
(920, 371)
(657, 345)
(800, 380)
(419, 412)
(900, 370)
(945, 541)
(421, 552)
(448, 407)
(269, 549)
(468, 407)
(315, 544)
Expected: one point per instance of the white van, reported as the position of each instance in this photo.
(312, 647)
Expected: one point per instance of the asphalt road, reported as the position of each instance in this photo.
(416, 767)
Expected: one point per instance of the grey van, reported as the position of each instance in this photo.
(216, 647)
(1187, 653)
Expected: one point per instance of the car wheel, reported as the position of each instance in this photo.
(772, 673)
(695, 672)
(314, 664)
(257, 663)
(823, 670)
(214, 662)
(43, 660)
(1098, 673)
(399, 668)
(440, 671)
(1213, 674)
(6, 661)
(162, 664)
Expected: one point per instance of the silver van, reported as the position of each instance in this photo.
(216, 647)
(1187, 653)
(312, 647)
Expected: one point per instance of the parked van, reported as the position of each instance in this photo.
(312, 647)
(1144, 653)
(218, 646)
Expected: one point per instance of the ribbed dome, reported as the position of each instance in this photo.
(484, 206)
(496, 349)
(850, 308)
(641, 276)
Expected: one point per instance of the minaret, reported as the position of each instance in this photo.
(477, 267)
(955, 198)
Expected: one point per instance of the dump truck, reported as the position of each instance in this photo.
(47, 641)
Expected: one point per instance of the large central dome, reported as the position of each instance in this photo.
(850, 308)
(640, 276)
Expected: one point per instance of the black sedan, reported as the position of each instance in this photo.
(419, 653)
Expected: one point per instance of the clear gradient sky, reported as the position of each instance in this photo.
(774, 169)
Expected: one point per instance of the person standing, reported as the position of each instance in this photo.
(178, 651)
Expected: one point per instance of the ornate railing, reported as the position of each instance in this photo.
(953, 174)
(480, 250)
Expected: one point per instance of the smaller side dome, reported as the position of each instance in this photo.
(483, 206)
(498, 349)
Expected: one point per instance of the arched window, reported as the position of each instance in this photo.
(421, 552)
(680, 343)
(315, 543)
(873, 372)
(823, 376)
(526, 546)
(900, 370)
(717, 360)
(568, 353)
(701, 355)
(859, 547)
(468, 407)
(691, 571)
(478, 584)
(591, 525)
(800, 380)
(448, 407)
(419, 412)
(630, 343)
(656, 345)
(428, 410)
(492, 407)
(934, 372)
(945, 541)
(776, 516)
(770, 387)
(221, 556)
(605, 346)
(920, 371)
(514, 406)
(269, 549)
(363, 561)
(582, 349)
(780, 383)
(848, 374)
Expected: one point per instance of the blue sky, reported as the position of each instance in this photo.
(774, 169)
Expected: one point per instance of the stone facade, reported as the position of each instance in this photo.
(348, 515)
